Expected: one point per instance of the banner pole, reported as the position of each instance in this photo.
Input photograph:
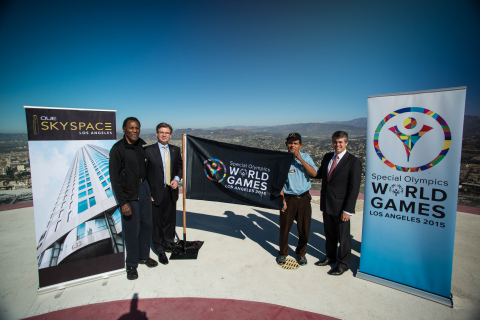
(185, 250)
(184, 136)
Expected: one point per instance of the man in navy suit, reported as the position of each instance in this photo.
(340, 172)
(164, 169)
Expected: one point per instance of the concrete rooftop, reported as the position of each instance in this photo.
(236, 262)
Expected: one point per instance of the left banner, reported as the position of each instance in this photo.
(77, 223)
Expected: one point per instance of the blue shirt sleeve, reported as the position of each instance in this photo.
(309, 160)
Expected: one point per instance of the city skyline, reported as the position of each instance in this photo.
(216, 64)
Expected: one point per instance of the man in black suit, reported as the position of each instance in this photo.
(340, 172)
(164, 169)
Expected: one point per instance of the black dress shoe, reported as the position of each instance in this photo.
(337, 271)
(149, 262)
(162, 258)
(326, 261)
(168, 248)
(132, 273)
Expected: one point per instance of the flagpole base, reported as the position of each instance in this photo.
(186, 250)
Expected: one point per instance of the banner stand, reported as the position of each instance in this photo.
(64, 285)
(77, 224)
(414, 142)
(185, 249)
(395, 285)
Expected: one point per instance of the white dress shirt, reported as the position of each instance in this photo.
(162, 152)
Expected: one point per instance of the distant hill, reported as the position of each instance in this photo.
(313, 129)
(220, 134)
(360, 122)
(353, 127)
(246, 128)
(471, 126)
(143, 131)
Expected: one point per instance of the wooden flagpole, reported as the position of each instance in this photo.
(190, 250)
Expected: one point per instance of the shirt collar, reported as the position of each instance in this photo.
(140, 142)
(161, 145)
(340, 155)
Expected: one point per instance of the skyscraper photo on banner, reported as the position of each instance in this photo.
(77, 226)
(414, 145)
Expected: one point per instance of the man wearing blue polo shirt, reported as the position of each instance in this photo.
(296, 203)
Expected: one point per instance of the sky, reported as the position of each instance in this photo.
(200, 64)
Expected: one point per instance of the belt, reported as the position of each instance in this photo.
(296, 195)
(142, 179)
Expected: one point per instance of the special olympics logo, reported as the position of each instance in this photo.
(213, 170)
(396, 189)
(409, 141)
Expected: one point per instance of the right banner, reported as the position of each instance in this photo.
(414, 143)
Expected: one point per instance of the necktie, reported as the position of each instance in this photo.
(334, 164)
(167, 167)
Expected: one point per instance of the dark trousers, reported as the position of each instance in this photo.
(298, 209)
(164, 220)
(137, 228)
(337, 231)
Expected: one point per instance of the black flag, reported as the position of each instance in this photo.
(224, 172)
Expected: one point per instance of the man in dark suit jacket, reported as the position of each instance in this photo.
(340, 172)
(164, 169)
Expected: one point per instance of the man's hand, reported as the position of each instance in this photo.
(284, 206)
(126, 210)
(345, 217)
(152, 199)
(310, 170)
(174, 184)
(297, 154)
